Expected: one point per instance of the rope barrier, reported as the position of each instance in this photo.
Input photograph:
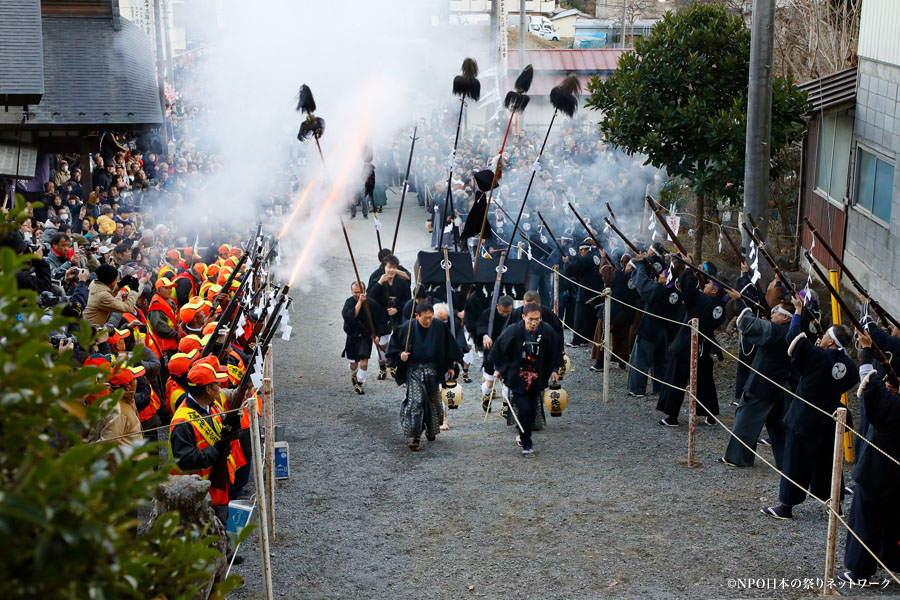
(825, 503)
(244, 405)
(724, 350)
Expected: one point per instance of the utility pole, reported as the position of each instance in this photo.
(624, 8)
(523, 31)
(759, 115)
(160, 70)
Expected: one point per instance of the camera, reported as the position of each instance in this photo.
(59, 338)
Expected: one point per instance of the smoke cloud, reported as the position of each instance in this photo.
(373, 67)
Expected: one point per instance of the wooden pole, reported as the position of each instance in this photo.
(556, 290)
(840, 416)
(269, 416)
(263, 509)
(692, 402)
(644, 220)
(607, 341)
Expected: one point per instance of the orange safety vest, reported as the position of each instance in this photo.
(151, 409)
(161, 304)
(174, 394)
(145, 339)
(206, 434)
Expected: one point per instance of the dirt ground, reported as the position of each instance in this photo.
(604, 509)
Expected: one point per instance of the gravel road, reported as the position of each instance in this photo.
(605, 509)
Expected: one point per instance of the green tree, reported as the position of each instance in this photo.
(681, 99)
(68, 520)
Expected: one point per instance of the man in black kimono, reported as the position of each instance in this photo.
(527, 357)
(429, 360)
(391, 292)
(762, 402)
(360, 334)
(826, 372)
(585, 269)
(485, 334)
(873, 512)
(649, 351)
(708, 307)
(547, 314)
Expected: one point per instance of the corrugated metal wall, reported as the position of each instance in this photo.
(879, 31)
(829, 220)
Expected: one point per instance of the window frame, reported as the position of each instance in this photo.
(818, 190)
(857, 162)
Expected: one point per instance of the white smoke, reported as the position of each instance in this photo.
(373, 67)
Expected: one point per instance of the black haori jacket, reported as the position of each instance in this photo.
(446, 351)
(506, 353)
(824, 376)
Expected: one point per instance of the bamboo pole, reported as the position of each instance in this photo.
(263, 509)
(692, 402)
(840, 416)
(269, 417)
(607, 341)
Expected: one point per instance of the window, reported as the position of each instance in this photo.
(874, 184)
(836, 131)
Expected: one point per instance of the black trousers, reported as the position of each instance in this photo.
(877, 522)
(678, 373)
(752, 413)
(526, 407)
(807, 461)
(585, 323)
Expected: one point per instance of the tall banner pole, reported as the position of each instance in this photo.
(692, 402)
(607, 341)
(840, 416)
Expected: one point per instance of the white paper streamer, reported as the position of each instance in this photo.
(256, 378)
(286, 332)
(536, 167)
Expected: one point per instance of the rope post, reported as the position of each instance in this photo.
(692, 394)
(556, 290)
(607, 341)
(263, 508)
(840, 417)
(269, 416)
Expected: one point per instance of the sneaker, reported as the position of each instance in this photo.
(848, 490)
(465, 376)
(852, 579)
(667, 423)
(724, 461)
(519, 440)
(571, 344)
(527, 453)
(779, 512)
(734, 403)
(633, 395)
(597, 366)
(415, 445)
(764, 442)
(709, 421)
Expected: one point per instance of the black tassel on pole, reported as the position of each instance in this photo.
(464, 86)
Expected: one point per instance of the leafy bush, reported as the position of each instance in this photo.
(68, 519)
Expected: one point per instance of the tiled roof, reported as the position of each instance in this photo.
(588, 61)
(550, 66)
(21, 64)
(835, 89)
(117, 89)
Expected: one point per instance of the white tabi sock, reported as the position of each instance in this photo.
(361, 375)
(486, 388)
(351, 369)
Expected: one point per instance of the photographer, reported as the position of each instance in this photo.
(102, 302)
(36, 277)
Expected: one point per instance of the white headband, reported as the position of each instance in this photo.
(830, 332)
(784, 312)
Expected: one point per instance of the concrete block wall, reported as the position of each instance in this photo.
(872, 249)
